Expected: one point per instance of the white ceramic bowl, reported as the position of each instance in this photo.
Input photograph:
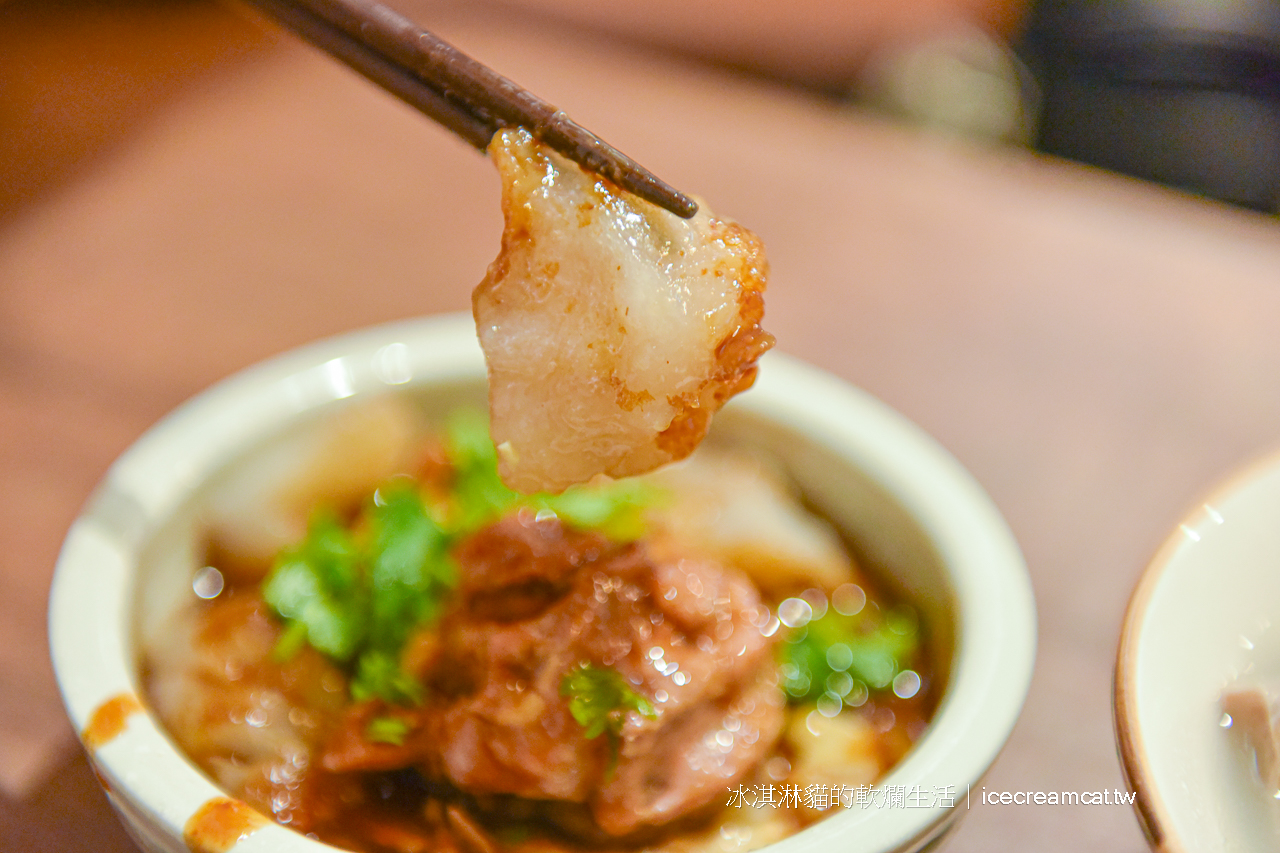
(1205, 613)
(129, 559)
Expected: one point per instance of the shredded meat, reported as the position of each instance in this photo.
(613, 330)
(538, 599)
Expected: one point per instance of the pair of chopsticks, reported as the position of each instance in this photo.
(460, 93)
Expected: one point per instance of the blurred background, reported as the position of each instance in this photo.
(1181, 92)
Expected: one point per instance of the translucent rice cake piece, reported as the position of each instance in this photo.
(264, 503)
(613, 329)
(739, 510)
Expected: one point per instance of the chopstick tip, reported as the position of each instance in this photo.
(683, 206)
(640, 182)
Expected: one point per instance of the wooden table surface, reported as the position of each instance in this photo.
(1098, 352)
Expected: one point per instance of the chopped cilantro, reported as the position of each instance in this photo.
(614, 508)
(290, 642)
(478, 494)
(392, 730)
(356, 594)
(872, 646)
(317, 585)
(409, 569)
(378, 675)
(599, 699)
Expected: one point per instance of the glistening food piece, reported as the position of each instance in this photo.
(613, 330)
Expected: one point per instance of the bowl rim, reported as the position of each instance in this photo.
(91, 594)
(1154, 815)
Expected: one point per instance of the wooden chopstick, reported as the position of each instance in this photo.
(467, 97)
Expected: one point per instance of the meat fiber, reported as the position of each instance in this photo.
(536, 601)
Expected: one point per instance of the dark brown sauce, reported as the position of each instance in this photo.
(219, 824)
(109, 720)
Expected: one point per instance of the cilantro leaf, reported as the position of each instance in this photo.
(315, 588)
(357, 594)
(378, 675)
(409, 569)
(614, 508)
(478, 494)
(871, 646)
(600, 698)
(392, 730)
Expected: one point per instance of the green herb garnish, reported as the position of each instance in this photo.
(479, 496)
(872, 646)
(317, 588)
(378, 676)
(409, 570)
(615, 509)
(599, 699)
(391, 730)
(356, 594)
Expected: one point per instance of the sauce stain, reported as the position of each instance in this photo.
(219, 824)
(109, 720)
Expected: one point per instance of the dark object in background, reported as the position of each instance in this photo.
(1183, 92)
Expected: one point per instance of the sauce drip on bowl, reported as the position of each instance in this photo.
(109, 720)
(219, 824)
